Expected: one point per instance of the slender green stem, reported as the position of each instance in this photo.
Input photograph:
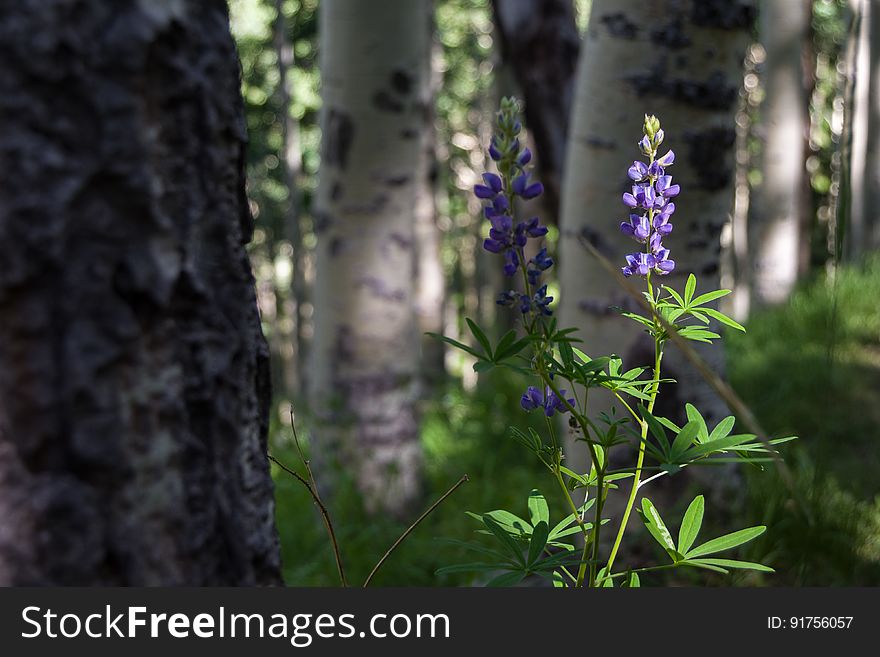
(646, 569)
(658, 357)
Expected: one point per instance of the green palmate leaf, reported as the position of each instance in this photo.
(655, 525)
(689, 289)
(690, 525)
(726, 542)
(655, 428)
(675, 295)
(456, 344)
(709, 296)
(511, 522)
(685, 437)
(480, 337)
(698, 334)
(724, 319)
(669, 424)
(474, 547)
(507, 579)
(566, 353)
(638, 318)
(538, 510)
(476, 566)
(505, 538)
(501, 353)
(722, 429)
(694, 415)
(706, 566)
(733, 563)
(563, 524)
(505, 342)
(483, 366)
(720, 445)
(539, 540)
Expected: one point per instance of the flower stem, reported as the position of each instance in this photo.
(658, 357)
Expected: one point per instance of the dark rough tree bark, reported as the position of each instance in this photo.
(133, 373)
(540, 39)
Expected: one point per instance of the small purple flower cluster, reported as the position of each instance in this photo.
(652, 206)
(548, 401)
(498, 192)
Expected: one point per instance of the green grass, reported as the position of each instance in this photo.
(462, 433)
(811, 368)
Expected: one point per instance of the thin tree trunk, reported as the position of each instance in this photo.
(291, 159)
(775, 221)
(541, 41)
(430, 279)
(365, 347)
(133, 373)
(683, 62)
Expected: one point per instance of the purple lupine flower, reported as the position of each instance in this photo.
(533, 228)
(497, 190)
(542, 301)
(521, 187)
(506, 298)
(533, 398)
(638, 264)
(638, 171)
(541, 262)
(637, 227)
(662, 264)
(666, 160)
(665, 187)
(511, 262)
(650, 197)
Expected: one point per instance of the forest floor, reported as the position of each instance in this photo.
(810, 368)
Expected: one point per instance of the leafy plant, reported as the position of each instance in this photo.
(549, 357)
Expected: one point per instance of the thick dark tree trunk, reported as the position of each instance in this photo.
(133, 372)
(540, 40)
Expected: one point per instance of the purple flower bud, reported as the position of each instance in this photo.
(511, 262)
(645, 145)
(532, 399)
(494, 153)
(667, 159)
(493, 181)
(484, 192)
(533, 228)
(524, 158)
(629, 200)
(666, 188)
(533, 191)
(493, 246)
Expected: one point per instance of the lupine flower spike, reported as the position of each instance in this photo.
(650, 200)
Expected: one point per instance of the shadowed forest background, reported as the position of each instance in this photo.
(784, 150)
(220, 222)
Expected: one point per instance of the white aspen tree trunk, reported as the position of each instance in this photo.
(775, 225)
(430, 279)
(681, 61)
(863, 229)
(365, 349)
